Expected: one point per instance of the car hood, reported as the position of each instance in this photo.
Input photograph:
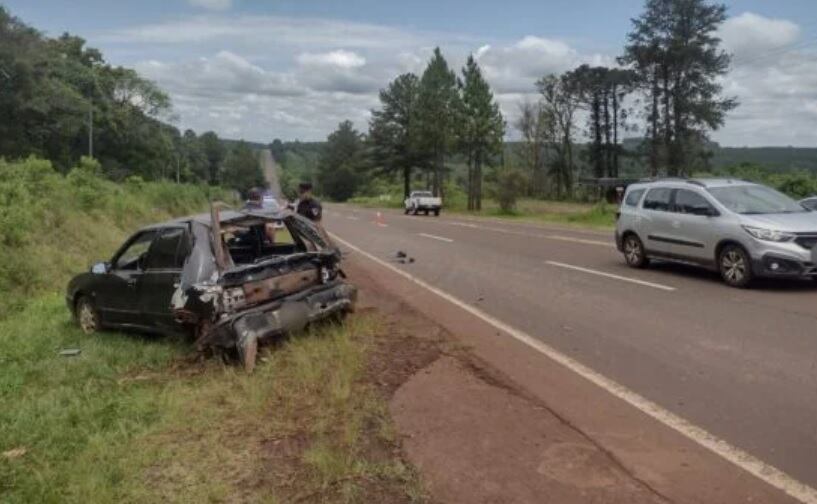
(804, 222)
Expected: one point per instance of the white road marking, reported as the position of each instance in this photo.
(742, 459)
(580, 240)
(352, 217)
(463, 224)
(382, 225)
(435, 237)
(610, 275)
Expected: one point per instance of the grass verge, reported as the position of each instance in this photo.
(586, 215)
(131, 420)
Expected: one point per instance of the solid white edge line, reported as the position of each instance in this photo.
(742, 459)
(435, 237)
(611, 275)
(580, 240)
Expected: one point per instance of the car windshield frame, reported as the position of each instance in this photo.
(423, 194)
(755, 199)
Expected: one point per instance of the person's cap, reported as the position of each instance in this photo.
(305, 186)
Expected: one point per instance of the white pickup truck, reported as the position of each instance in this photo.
(423, 201)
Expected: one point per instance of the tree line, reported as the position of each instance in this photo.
(665, 85)
(60, 100)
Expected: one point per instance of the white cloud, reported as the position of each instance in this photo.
(214, 5)
(261, 77)
(750, 34)
(339, 58)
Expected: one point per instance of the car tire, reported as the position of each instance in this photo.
(634, 253)
(735, 266)
(425, 212)
(87, 315)
(437, 212)
(406, 211)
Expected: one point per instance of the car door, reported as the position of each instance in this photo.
(656, 221)
(163, 269)
(692, 226)
(117, 291)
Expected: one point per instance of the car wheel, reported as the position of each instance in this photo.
(634, 252)
(406, 211)
(87, 316)
(437, 212)
(425, 212)
(735, 266)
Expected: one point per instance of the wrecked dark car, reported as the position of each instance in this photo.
(229, 278)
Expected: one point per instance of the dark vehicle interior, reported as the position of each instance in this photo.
(250, 242)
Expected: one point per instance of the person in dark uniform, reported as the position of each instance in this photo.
(308, 206)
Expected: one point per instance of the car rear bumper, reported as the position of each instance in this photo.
(286, 315)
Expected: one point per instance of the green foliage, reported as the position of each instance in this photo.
(666, 41)
(481, 128)
(510, 185)
(53, 226)
(392, 131)
(437, 115)
(340, 172)
(242, 171)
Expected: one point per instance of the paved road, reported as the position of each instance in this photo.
(270, 170)
(742, 364)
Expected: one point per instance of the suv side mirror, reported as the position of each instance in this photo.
(100, 268)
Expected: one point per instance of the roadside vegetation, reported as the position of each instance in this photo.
(139, 418)
(108, 112)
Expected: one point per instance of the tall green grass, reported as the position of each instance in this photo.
(53, 226)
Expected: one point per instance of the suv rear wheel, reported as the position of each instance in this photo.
(634, 252)
(735, 266)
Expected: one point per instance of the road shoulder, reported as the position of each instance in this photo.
(492, 383)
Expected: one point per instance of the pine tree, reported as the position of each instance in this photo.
(674, 50)
(436, 116)
(481, 128)
(391, 129)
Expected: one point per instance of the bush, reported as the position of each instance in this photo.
(53, 226)
(510, 185)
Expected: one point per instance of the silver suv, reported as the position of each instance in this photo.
(741, 229)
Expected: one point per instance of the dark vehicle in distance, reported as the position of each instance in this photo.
(230, 279)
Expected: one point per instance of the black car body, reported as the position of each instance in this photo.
(218, 276)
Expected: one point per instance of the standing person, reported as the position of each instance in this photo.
(308, 206)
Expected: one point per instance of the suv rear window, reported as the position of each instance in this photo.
(658, 199)
(633, 197)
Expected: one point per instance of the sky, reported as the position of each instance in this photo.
(264, 69)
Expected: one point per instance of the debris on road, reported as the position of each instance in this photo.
(70, 352)
(400, 254)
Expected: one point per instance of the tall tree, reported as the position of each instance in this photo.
(532, 123)
(674, 49)
(560, 101)
(341, 163)
(391, 130)
(481, 128)
(214, 152)
(436, 116)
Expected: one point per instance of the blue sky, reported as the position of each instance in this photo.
(294, 69)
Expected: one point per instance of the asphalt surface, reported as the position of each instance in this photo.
(270, 170)
(741, 364)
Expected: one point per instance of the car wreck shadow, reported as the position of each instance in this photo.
(782, 285)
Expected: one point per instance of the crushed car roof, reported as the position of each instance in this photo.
(225, 216)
